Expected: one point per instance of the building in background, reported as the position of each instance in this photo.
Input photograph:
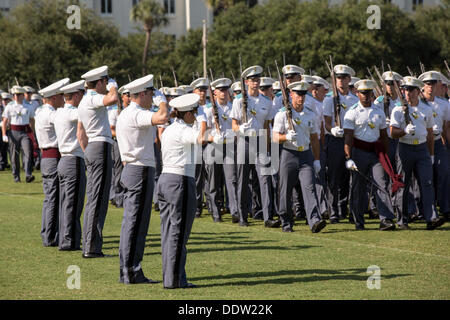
(183, 14)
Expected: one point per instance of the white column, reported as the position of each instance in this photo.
(188, 15)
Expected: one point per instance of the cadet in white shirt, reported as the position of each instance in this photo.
(251, 131)
(176, 189)
(220, 153)
(135, 136)
(94, 117)
(200, 87)
(116, 191)
(416, 152)
(338, 178)
(48, 143)
(441, 164)
(19, 116)
(298, 163)
(71, 167)
(363, 125)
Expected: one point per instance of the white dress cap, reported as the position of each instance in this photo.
(73, 87)
(95, 74)
(17, 90)
(292, 69)
(140, 85)
(299, 86)
(254, 71)
(343, 69)
(35, 96)
(29, 89)
(122, 90)
(412, 82)
(176, 92)
(6, 95)
(365, 85)
(200, 82)
(307, 78)
(321, 81)
(221, 83)
(185, 102)
(354, 80)
(276, 85)
(236, 86)
(54, 88)
(186, 88)
(430, 76)
(391, 76)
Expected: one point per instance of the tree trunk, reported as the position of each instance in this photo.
(145, 54)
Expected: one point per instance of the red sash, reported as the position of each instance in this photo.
(51, 153)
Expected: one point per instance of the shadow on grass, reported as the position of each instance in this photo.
(296, 276)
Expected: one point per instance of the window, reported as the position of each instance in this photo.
(416, 3)
(169, 6)
(106, 6)
(4, 5)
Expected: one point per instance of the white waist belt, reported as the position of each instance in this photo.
(413, 141)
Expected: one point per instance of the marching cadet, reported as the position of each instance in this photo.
(5, 98)
(265, 87)
(125, 96)
(48, 143)
(135, 136)
(416, 152)
(351, 85)
(29, 93)
(441, 163)
(363, 125)
(236, 88)
(177, 190)
(116, 191)
(276, 87)
(338, 178)
(71, 167)
(251, 131)
(94, 117)
(200, 87)
(220, 156)
(19, 116)
(298, 163)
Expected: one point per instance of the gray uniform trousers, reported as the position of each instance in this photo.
(177, 201)
(218, 174)
(297, 166)
(201, 184)
(98, 164)
(339, 177)
(50, 207)
(158, 170)
(255, 206)
(19, 140)
(116, 192)
(416, 159)
(369, 165)
(243, 192)
(412, 203)
(442, 176)
(72, 189)
(138, 183)
(321, 182)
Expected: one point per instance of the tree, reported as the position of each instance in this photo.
(151, 14)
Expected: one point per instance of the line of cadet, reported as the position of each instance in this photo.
(395, 162)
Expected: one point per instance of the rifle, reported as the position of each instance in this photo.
(336, 100)
(244, 95)
(387, 99)
(214, 108)
(286, 102)
(402, 101)
(232, 75)
(410, 72)
(17, 82)
(174, 77)
(448, 69)
(160, 81)
(378, 91)
(422, 67)
(211, 73)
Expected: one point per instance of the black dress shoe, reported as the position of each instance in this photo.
(360, 228)
(403, 227)
(272, 223)
(287, 229)
(351, 219)
(17, 180)
(435, 223)
(373, 214)
(93, 255)
(69, 249)
(387, 225)
(243, 223)
(334, 221)
(319, 225)
(29, 179)
(189, 286)
(234, 218)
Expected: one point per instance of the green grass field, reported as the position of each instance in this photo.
(226, 261)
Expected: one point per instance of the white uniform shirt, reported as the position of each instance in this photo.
(304, 124)
(65, 121)
(224, 117)
(347, 101)
(45, 130)
(366, 122)
(113, 113)
(421, 116)
(259, 110)
(379, 103)
(18, 114)
(177, 149)
(439, 108)
(135, 136)
(94, 116)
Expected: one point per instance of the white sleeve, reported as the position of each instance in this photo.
(430, 119)
(349, 120)
(143, 118)
(383, 120)
(397, 118)
(279, 122)
(189, 135)
(97, 100)
(328, 107)
(236, 110)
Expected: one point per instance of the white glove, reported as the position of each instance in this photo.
(432, 160)
(243, 128)
(317, 166)
(337, 132)
(436, 130)
(410, 129)
(291, 135)
(351, 165)
(111, 83)
(5, 139)
(218, 138)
